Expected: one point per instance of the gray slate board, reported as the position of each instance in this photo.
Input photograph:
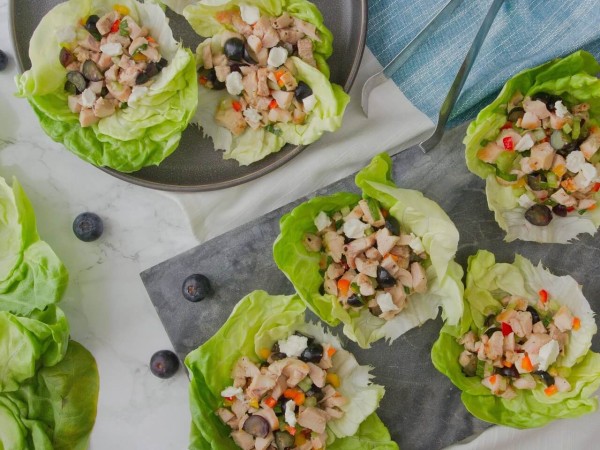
(421, 408)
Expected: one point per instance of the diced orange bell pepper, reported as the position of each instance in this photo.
(331, 351)
(526, 364)
(291, 430)
(236, 105)
(543, 293)
(343, 285)
(576, 323)
(270, 402)
(273, 104)
(333, 379)
(551, 390)
(264, 353)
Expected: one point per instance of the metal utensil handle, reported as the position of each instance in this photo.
(461, 76)
(407, 51)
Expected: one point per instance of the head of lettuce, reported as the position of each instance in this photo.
(259, 321)
(576, 367)
(144, 132)
(420, 219)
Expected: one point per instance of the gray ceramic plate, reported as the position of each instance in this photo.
(195, 165)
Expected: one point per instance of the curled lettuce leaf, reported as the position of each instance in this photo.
(257, 322)
(487, 282)
(254, 145)
(416, 214)
(142, 134)
(31, 275)
(574, 79)
(54, 410)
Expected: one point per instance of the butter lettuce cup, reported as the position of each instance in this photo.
(536, 145)
(381, 263)
(264, 79)
(268, 379)
(521, 353)
(109, 81)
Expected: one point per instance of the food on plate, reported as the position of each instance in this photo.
(48, 384)
(196, 287)
(381, 264)
(31, 275)
(263, 76)
(88, 226)
(537, 147)
(521, 354)
(164, 364)
(110, 82)
(268, 380)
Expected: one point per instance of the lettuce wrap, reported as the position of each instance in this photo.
(573, 78)
(416, 214)
(487, 283)
(255, 144)
(31, 275)
(258, 321)
(142, 134)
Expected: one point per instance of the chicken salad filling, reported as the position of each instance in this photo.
(286, 402)
(110, 60)
(520, 346)
(367, 260)
(254, 64)
(548, 150)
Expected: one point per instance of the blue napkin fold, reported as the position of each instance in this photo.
(525, 33)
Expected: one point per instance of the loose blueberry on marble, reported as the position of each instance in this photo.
(164, 364)
(88, 226)
(3, 60)
(196, 287)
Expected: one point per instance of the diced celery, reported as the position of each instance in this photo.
(567, 128)
(551, 179)
(576, 128)
(373, 208)
(305, 384)
(505, 161)
(310, 401)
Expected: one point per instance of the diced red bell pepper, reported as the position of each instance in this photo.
(508, 143)
(115, 26)
(506, 329)
(236, 105)
(596, 187)
(507, 126)
(543, 295)
(270, 402)
(273, 104)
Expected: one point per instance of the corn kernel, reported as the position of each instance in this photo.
(264, 353)
(121, 9)
(333, 379)
(253, 403)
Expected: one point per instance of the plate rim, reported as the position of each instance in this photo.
(205, 187)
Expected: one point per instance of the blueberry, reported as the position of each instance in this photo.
(3, 60)
(196, 287)
(164, 364)
(88, 226)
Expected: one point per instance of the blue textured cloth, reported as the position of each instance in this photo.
(525, 33)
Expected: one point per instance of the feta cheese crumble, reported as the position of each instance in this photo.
(277, 56)
(575, 161)
(88, 98)
(355, 228)
(385, 302)
(309, 103)
(561, 110)
(112, 49)
(322, 221)
(293, 345)
(250, 14)
(548, 354)
(233, 82)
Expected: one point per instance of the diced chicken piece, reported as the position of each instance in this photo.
(326, 362)
(219, 59)
(313, 418)
(563, 319)
(535, 342)
(360, 245)
(495, 346)
(271, 38)
(525, 381)
(290, 36)
(562, 384)
(105, 22)
(495, 383)
(305, 51)
(530, 121)
(74, 104)
(506, 315)
(559, 164)
(261, 27)
(525, 165)
(368, 267)
(557, 123)
(244, 368)
(222, 72)
(509, 343)
(386, 241)
(317, 375)
(563, 198)
(89, 43)
(330, 287)
(137, 43)
(263, 443)
(373, 254)
(289, 81)
(334, 245)
(335, 401)
(319, 441)
(280, 115)
(307, 28)
(87, 118)
(509, 393)
(116, 37)
(542, 156)
(468, 362)
(82, 54)
(283, 98)
(262, 57)
(390, 265)
(334, 271)
(112, 74)
(283, 21)
(225, 415)
(398, 296)
(240, 26)
(129, 75)
(312, 243)
(522, 323)
(280, 387)
(560, 336)
(356, 213)
(590, 146)
(490, 152)
(368, 217)
(263, 87)
(239, 408)
(364, 284)
(207, 59)
(586, 203)
(419, 277)
(232, 120)
(135, 31)
(243, 440)
(260, 385)
(468, 341)
(250, 83)
(536, 107)
(104, 108)
(509, 133)
(539, 328)
(104, 62)
(269, 414)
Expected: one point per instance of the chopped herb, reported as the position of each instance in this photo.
(141, 48)
(354, 287)
(581, 212)
(124, 28)
(374, 208)
(406, 290)
(480, 371)
(273, 129)
(339, 224)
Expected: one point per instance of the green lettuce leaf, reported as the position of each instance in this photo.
(416, 214)
(142, 134)
(256, 323)
(574, 79)
(31, 275)
(28, 343)
(487, 282)
(254, 145)
(56, 409)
